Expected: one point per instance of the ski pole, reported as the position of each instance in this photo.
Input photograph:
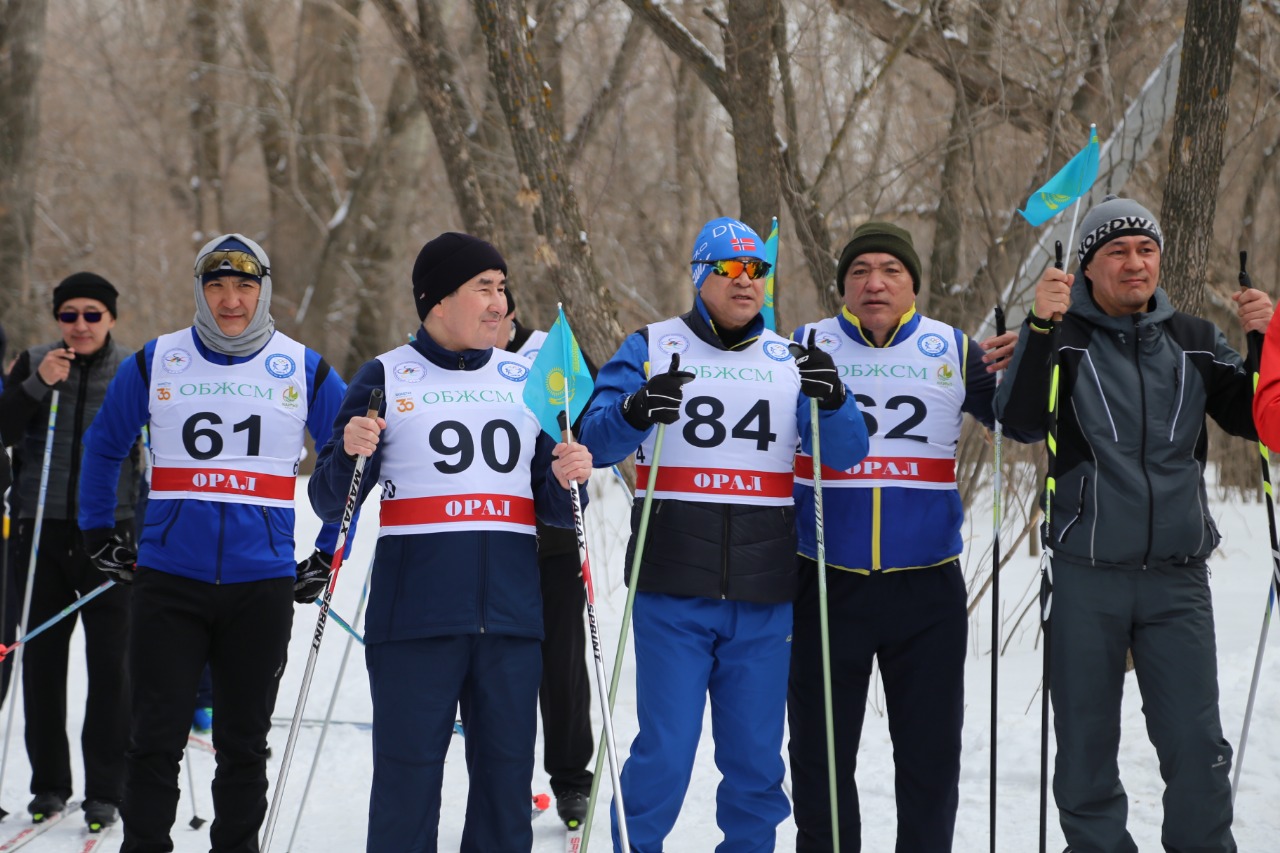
(1274, 587)
(823, 621)
(343, 623)
(995, 591)
(636, 558)
(56, 618)
(16, 676)
(352, 636)
(1046, 565)
(602, 683)
(353, 497)
(196, 821)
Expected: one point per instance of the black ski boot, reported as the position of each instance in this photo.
(572, 808)
(46, 805)
(99, 814)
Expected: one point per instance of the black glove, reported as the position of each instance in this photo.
(112, 553)
(818, 376)
(658, 400)
(313, 577)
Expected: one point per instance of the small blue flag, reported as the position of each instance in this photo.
(770, 256)
(1073, 181)
(558, 379)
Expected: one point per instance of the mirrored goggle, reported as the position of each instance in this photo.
(70, 317)
(241, 262)
(733, 269)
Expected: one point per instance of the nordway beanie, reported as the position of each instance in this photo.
(880, 237)
(1111, 218)
(85, 285)
(448, 262)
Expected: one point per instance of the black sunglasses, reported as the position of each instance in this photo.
(70, 317)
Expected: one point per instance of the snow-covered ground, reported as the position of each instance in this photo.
(335, 813)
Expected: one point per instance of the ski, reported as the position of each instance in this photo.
(97, 841)
(32, 831)
(572, 840)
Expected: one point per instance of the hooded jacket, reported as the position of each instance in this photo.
(1134, 393)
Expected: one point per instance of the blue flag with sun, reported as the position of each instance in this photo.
(558, 379)
(1073, 181)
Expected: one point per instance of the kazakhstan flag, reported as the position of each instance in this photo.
(558, 379)
(770, 255)
(1065, 187)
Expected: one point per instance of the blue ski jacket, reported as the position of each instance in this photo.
(210, 541)
(440, 584)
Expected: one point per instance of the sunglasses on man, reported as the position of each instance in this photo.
(70, 317)
(733, 269)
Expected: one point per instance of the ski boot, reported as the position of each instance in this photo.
(571, 806)
(99, 814)
(46, 805)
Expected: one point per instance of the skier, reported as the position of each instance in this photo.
(713, 606)
(1130, 534)
(455, 615)
(896, 590)
(564, 696)
(214, 578)
(79, 365)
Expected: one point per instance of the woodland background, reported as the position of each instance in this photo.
(590, 139)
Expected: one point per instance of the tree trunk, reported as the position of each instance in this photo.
(1195, 151)
(206, 167)
(433, 70)
(21, 56)
(545, 189)
(748, 61)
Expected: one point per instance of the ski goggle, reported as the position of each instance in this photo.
(234, 261)
(70, 317)
(733, 269)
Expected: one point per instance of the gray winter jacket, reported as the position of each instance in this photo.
(24, 424)
(1135, 390)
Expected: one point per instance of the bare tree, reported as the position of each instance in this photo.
(22, 28)
(1195, 151)
(545, 189)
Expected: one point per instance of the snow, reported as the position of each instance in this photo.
(334, 819)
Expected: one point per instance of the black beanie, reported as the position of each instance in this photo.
(448, 262)
(880, 237)
(86, 285)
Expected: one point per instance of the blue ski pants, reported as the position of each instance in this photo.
(738, 652)
(417, 686)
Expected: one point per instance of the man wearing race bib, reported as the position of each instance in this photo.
(713, 607)
(455, 613)
(896, 591)
(214, 577)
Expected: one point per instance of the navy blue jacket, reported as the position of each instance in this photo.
(440, 584)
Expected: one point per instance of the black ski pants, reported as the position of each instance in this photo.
(242, 631)
(1165, 615)
(565, 694)
(64, 572)
(914, 624)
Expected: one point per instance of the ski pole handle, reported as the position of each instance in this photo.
(1000, 327)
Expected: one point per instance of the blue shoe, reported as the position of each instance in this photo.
(202, 722)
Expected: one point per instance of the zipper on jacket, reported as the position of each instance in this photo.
(1084, 484)
(484, 577)
(164, 534)
(1142, 453)
(222, 527)
(724, 552)
(271, 540)
(77, 431)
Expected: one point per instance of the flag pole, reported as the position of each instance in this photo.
(579, 527)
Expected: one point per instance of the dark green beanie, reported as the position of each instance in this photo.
(880, 237)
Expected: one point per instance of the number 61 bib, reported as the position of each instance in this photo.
(227, 432)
